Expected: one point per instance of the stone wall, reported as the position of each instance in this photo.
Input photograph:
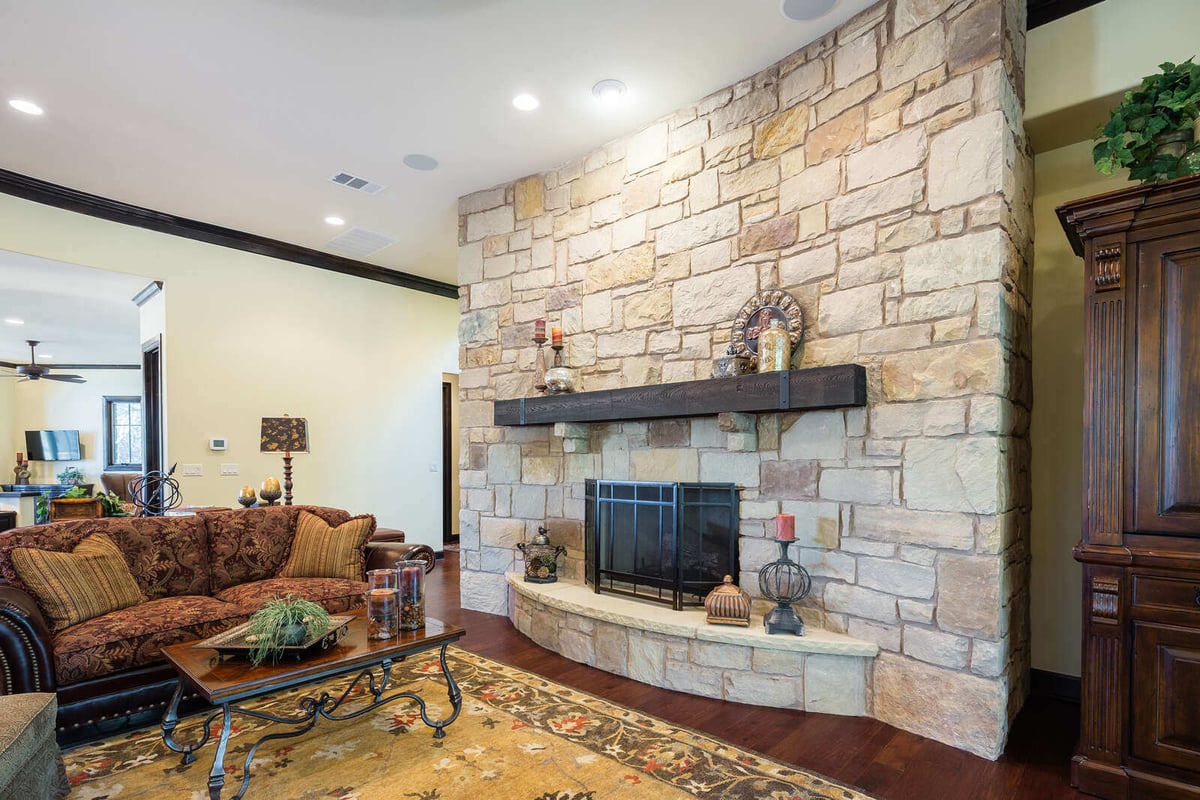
(882, 176)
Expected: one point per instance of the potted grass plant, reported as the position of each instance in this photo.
(284, 622)
(1153, 130)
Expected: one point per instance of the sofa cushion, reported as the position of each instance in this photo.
(135, 636)
(91, 580)
(320, 550)
(252, 544)
(167, 555)
(334, 594)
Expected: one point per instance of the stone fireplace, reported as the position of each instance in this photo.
(882, 176)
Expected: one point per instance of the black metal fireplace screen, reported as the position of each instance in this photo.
(667, 542)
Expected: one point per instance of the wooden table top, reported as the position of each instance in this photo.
(231, 679)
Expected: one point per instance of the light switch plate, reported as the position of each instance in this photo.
(229, 469)
(193, 470)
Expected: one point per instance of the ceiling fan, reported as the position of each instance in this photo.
(34, 371)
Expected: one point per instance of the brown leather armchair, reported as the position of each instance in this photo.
(387, 547)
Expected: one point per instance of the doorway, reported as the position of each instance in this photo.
(450, 489)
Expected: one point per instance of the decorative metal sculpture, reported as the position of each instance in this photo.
(756, 316)
(541, 558)
(784, 582)
(155, 493)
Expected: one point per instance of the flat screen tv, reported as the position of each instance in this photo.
(52, 445)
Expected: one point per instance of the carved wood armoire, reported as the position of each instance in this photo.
(1140, 549)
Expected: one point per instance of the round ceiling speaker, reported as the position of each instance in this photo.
(805, 10)
(420, 162)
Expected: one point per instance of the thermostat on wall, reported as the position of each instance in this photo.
(216, 443)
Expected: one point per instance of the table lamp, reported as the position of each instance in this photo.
(285, 435)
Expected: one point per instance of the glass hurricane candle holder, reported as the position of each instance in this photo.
(383, 604)
(412, 594)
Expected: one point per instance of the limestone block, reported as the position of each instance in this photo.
(907, 233)
(926, 418)
(894, 194)
(808, 266)
(747, 109)
(869, 270)
(759, 176)
(992, 414)
(814, 435)
(490, 223)
(542, 470)
(611, 645)
(481, 201)
(778, 662)
(470, 263)
(912, 14)
(969, 598)
(679, 168)
(597, 310)
(753, 553)
(647, 308)
(915, 53)
(496, 559)
(483, 591)
(860, 602)
(848, 310)
(946, 263)
(949, 94)
(685, 137)
(937, 305)
(716, 654)
(504, 463)
(710, 257)
(590, 245)
(953, 329)
(529, 502)
(952, 707)
(903, 337)
(579, 467)
(597, 184)
(916, 611)
(528, 197)
(893, 524)
(954, 475)
(886, 636)
(812, 185)
(479, 327)
(620, 269)
(966, 162)
(835, 685)
(892, 156)
(789, 479)
(935, 647)
(989, 658)
(871, 486)
(781, 132)
(664, 215)
(618, 345)
(729, 147)
(776, 691)
(646, 148)
(641, 193)
(976, 36)
(712, 298)
(802, 82)
(854, 59)
(491, 293)
(669, 433)
(866, 547)
(499, 266)
(665, 464)
(835, 137)
(896, 577)
(699, 229)
(853, 96)
(738, 468)
(830, 564)
(773, 234)
(948, 371)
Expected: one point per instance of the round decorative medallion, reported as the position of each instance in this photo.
(756, 316)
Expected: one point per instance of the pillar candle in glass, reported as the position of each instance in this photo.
(412, 594)
(383, 604)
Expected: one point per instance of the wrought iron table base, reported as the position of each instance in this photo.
(311, 709)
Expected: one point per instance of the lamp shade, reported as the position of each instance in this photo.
(284, 435)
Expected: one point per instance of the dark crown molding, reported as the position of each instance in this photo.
(1041, 12)
(52, 194)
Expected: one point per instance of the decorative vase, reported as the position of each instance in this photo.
(541, 558)
(774, 348)
(559, 379)
(732, 365)
(411, 576)
(270, 491)
(1172, 143)
(292, 635)
(728, 604)
(383, 604)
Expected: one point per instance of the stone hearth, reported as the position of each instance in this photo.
(821, 671)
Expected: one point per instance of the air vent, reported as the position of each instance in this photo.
(357, 184)
(359, 242)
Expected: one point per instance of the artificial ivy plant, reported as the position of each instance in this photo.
(1167, 102)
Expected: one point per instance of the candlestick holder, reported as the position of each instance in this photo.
(539, 364)
(784, 582)
(559, 379)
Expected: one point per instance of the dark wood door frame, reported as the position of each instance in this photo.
(152, 394)
(449, 507)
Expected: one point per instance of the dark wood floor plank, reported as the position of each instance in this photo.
(878, 759)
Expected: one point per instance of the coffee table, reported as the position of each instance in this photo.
(225, 682)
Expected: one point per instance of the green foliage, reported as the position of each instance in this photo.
(111, 503)
(1166, 102)
(268, 625)
(70, 475)
(41, 508)
(75, 493)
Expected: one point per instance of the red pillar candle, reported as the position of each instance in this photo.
(539, 329)
(20, 457)
(556, 335)
(785, 527)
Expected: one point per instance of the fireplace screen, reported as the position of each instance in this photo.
(667, 542)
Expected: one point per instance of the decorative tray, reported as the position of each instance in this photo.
(233, 641)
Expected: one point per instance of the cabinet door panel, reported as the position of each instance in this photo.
(1168, 397)
(1166, 694)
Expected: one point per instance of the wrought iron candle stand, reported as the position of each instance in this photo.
(784, 582)
(539, 364)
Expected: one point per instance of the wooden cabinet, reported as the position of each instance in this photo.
(1140, 543)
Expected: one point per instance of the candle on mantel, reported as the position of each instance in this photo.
(556, 335)
(539, 329)
(270, 485)
(785, 527)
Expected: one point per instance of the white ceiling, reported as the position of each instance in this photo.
(238, 112)
(80, 315)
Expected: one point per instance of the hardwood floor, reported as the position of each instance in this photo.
(877, 758)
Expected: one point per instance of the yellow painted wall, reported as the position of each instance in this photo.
(49, 405)
(248, 336)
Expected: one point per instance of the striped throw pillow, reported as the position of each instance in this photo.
(88, 582)
(321, 551)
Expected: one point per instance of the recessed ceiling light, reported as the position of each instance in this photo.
(420, 162)
(26, 107)
(525, 102)
(804, 10)
(609, 91)
(15, 321)
(335, 221)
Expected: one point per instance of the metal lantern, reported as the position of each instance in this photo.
(541, 558)
(785, 582)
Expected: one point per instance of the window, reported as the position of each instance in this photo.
(123, 433)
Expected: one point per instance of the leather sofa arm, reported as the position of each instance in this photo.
(385, 554)
(26, 649)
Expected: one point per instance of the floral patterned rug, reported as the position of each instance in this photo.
(518, 736)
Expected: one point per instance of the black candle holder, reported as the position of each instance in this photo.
(784, 582)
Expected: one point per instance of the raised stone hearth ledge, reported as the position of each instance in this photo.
(821, 671)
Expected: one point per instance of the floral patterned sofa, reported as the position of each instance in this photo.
(197, 576)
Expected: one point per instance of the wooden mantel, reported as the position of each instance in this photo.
(794, 390)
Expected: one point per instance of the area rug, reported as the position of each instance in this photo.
(519, 737)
